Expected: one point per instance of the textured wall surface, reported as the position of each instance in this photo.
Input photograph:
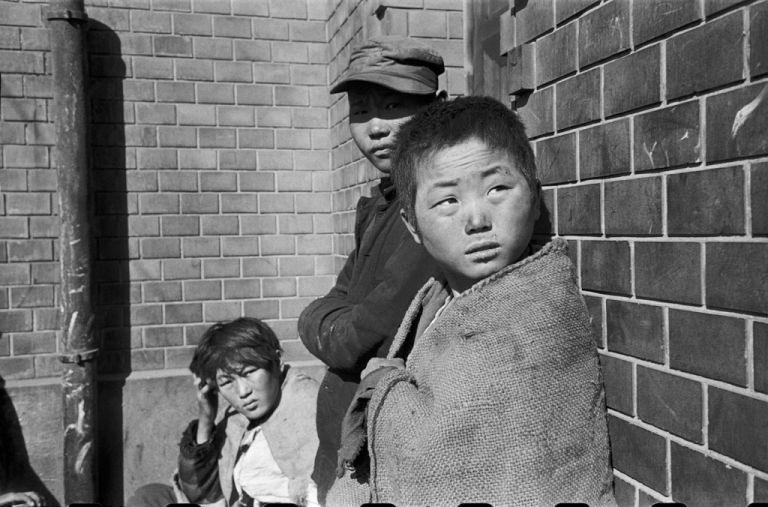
(649, 122)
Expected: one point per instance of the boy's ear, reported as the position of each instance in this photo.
(411, 228)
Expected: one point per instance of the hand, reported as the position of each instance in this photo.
(207, 406)
(381, 362)
(27, 498)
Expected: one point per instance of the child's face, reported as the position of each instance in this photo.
(474, 211)
(253, 392)
(375, 115)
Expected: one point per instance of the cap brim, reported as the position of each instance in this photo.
(398, 83)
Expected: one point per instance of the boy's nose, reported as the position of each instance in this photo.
(477, 218)
(243, 388)
(379, 128)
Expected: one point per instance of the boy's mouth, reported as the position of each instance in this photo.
(481, 246)
(382, 151)
(483, 251)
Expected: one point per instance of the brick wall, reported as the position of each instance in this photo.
(223, 184)
(649, 120)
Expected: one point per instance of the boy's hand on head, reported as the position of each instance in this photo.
(381, 362)
(207, 404)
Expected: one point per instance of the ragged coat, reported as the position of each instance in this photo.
(502, 398)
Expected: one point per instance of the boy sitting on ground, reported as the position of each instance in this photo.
(502, 399)
(263, 448)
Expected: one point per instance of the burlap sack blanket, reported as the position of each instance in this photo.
(502, 399)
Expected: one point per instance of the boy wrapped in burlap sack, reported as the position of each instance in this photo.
(492, 389)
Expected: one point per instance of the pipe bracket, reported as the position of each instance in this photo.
(79, 357)
(67, 14)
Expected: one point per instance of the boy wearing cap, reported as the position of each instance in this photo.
(388, 80)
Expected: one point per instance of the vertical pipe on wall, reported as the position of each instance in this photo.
(67, 25)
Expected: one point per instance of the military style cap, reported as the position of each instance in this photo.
(395, 62)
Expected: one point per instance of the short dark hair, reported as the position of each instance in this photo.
(232, 345)
(444, 124)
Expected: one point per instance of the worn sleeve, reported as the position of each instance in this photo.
(199, 465)
(343, 334)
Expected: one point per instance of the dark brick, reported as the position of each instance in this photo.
(706, 57)
(163, 337)
(668, 271)
(532, 18)
(17, 321)
(624, 492)
(578, 100)
(595, 308)
(604, 150)
(668, 137)
(537, 112)
(520, 69)
(709, 345)
(14, 368)
(652, 19)
(185, 312)
(506, 32)
(617, 378)
(738, 426)
(702, 481)
(633, 81)
(556, 159)
(737, 122)
(758, 39)
(556, 54)
(578, 210)
(670, 402)
(706, 203)
(737, 276)
(638, 453)
(604, 32)
(605, 266)
(633, 207)
(761, 490)
(759, 199)
(33, 296)
(714, 6)
(545, 223)
(33, 343)
(636, 330)
(565, 9)
(645, 499)
(573, 252)
(760, 345)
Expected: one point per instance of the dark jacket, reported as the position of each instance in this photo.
(359, 317)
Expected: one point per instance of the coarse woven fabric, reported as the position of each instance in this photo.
(501, 400)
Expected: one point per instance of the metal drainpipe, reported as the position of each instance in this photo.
(68, 24)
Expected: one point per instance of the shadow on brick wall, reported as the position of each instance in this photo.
(111, 249)
(16, 473)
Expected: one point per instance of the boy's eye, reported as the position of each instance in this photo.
(497, 189)
(224, 381)
(392, 105)
(447, 201)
